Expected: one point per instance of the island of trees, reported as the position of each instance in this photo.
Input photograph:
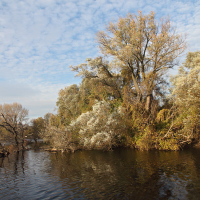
(125, 98)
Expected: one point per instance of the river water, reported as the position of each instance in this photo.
(119, 174)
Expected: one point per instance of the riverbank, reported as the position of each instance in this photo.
(46, 146)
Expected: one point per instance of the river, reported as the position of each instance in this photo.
(119, 174)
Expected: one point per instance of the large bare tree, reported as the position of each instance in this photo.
(144, 49)
(13, 118)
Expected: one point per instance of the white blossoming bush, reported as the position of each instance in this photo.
(187, 82)
(99, 128)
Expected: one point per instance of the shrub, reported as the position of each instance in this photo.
(99, 128)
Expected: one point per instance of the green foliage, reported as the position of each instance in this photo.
(37, 128)
(162, 115)
(168, 144)
(144, 142)
(114, 104)
(68, 104)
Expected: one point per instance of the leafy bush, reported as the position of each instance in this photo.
(99, 129)
(61, 138)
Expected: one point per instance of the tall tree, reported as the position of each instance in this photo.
(144, 48)
(13, 118)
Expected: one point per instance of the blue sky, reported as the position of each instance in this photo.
(40, 39)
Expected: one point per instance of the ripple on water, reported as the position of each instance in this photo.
(120, 174)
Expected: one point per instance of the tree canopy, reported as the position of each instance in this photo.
(12, 118)
(144, 49)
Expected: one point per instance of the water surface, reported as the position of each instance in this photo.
(119, 174)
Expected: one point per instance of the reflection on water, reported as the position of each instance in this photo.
(119, 174)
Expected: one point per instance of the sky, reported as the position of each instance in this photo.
(40, 39)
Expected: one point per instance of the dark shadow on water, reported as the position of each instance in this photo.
(1, 161)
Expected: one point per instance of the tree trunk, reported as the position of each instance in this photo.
(149, 102)
(16, 141)
(137, 88)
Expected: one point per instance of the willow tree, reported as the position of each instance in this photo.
(144, 48)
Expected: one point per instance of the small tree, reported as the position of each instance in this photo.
(13, 118)
(68, 103)
(37, 128)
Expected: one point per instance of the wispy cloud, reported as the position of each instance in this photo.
(39, 39)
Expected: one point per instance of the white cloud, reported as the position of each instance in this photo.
(17, 91)
(39, 39)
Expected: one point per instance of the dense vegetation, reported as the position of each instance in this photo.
(124, 98)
